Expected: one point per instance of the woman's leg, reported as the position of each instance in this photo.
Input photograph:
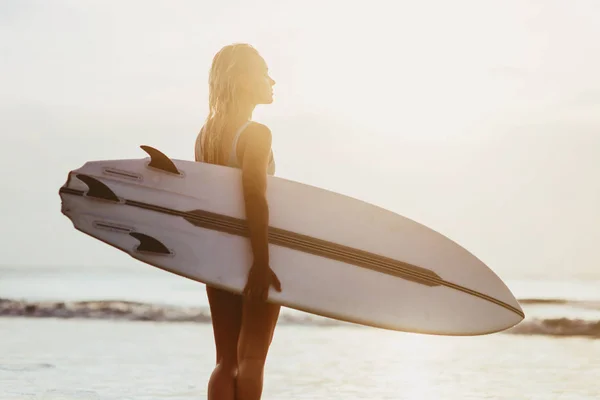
(226, 313)
(258, 324)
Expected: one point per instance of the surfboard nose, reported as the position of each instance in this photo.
(509, 318)
(511, 312)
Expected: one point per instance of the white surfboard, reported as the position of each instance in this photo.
(335, 256)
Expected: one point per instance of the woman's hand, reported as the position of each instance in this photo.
(260, 280)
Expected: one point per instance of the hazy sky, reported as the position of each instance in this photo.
(478, 119)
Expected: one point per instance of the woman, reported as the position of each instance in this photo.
(243, 326)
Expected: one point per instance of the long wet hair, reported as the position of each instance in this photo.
(225, 95)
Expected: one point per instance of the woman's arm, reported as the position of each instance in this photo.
(255, 160)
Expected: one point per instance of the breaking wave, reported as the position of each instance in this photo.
(131, 311)
(582, 304)
(558, 327)
(135, 311)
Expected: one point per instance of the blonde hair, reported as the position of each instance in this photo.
(224, 95)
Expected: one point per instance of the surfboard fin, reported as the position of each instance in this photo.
(160, 161)
(97, 189)
(148, 244)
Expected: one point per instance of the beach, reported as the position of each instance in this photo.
(142, 333)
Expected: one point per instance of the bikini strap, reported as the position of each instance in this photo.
(233, 152)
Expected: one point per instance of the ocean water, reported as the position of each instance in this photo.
(141, 333)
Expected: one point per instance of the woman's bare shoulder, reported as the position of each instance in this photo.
(258, 134)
